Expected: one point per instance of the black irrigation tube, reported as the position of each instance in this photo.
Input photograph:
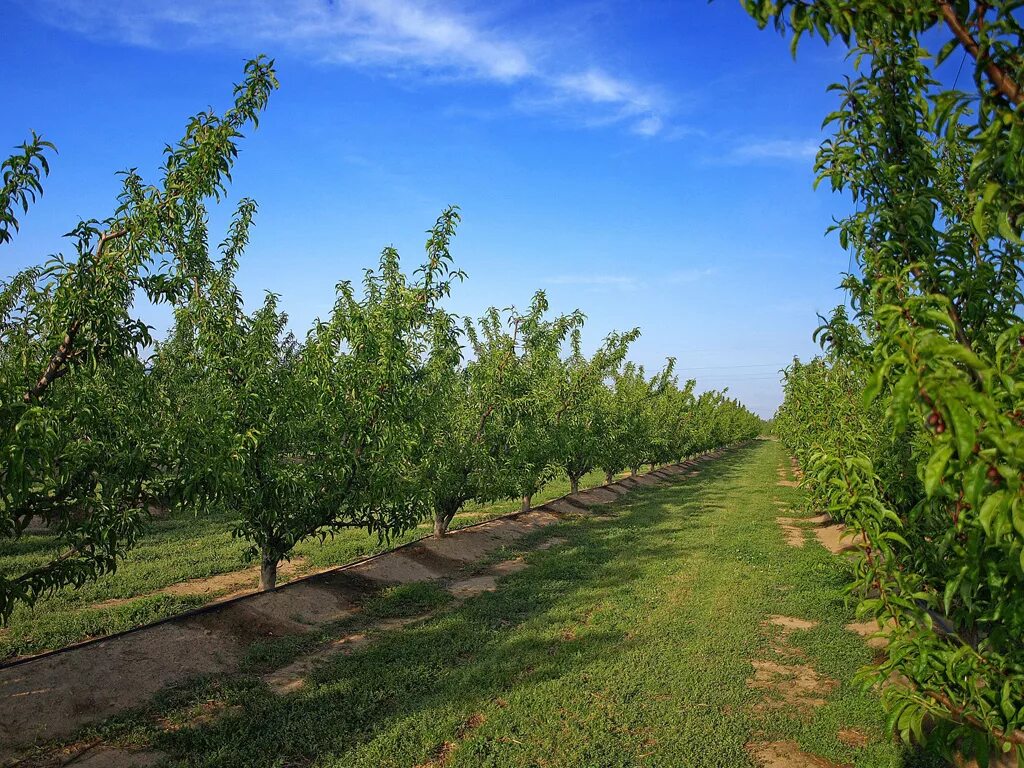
(218, 605)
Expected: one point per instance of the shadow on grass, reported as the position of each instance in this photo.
(459, 663)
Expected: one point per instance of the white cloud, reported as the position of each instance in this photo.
(688, 275)
(648, 126)
(394, 36)
(620, 281)
(753, 150)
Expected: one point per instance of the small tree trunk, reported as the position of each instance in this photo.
(574, 484)
(632, 471)
(609, 477)
(268, 572)
(527, 502)
(440, 525)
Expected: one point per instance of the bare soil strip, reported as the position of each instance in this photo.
(786, 754)
(226, 585)
(788, 683)
(791, 529)
(51, 696)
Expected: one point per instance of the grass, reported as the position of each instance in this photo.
(628, 645)
(176, 549)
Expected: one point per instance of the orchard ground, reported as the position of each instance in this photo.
(683, 625)
(183, 562)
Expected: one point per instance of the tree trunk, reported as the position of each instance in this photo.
(268, 572)
(632, 471)
(443, 517)
(574, 484)
(609, 477)
(653, 466)
(527, 502)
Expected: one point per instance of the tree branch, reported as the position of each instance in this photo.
(1015, 737)
(999, 78)
(57, 366)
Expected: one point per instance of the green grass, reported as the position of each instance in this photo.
(176, 549)
(628, 645)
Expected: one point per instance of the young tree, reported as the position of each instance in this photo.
(519, 434)
(674, 419)
(579, 421)
(75, 404)
(304, 439)
(629, 417)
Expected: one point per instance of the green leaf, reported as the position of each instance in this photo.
(936, 467)
(992, 507)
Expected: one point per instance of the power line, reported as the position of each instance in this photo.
(730, 367)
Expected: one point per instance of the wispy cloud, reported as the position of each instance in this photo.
(410, 37)
(632, 282)
(758, 150)
(614, 281)
(684, 276)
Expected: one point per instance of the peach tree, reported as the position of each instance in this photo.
(579, 423)
(300, 439)
(80, 451)
(937, 177)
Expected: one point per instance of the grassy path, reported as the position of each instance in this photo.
(639, 640)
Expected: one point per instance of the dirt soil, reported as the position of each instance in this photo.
(793, 532)
(786, 754)
(231, 584)
(52, 696)
(788, 682)
(835, 538)
(868, 629)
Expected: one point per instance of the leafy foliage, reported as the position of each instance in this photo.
(76, 434)
(22, 182)
(580, 423)
(910, 428)
(373, 420)
(301, 439)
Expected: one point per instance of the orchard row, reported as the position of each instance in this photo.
(910, 428)
(389, 411)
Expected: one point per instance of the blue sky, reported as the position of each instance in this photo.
(648, 163)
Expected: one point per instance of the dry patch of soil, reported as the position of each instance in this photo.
(790, 686)
(789, 624)
(786, 754)
(787, 682)
(648, 480)
(554, 541)
(835, 538)
(565, 507)
(292, 677)
(597, 496)
(93, 754)
(225, 585)
(869, 630)
(487, 582)
(794, 533)
(851, 737)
